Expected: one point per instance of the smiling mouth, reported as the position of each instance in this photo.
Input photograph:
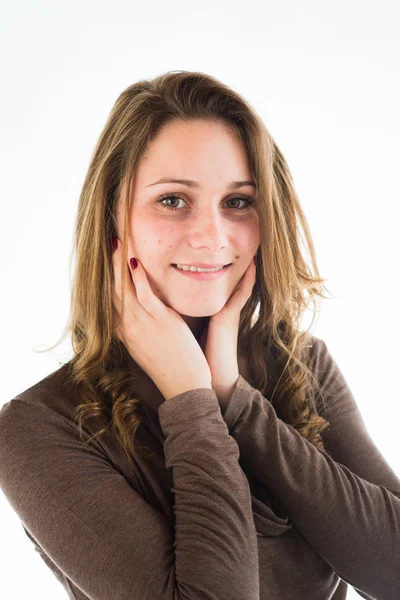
(176, 266)
(202, 275)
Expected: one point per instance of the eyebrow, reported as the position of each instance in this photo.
(194, 184)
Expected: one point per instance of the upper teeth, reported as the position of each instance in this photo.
(199, 269)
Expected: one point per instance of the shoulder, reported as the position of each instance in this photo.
(38, 428)
(43, 417)
(318, 354)
(330, 388)
(44, 409)
(40, 408)
(322, 364)
(48, 390)
(55, 393)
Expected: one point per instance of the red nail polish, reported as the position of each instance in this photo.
(134, 263)
(114, 243)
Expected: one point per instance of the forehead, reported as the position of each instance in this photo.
(199, 150)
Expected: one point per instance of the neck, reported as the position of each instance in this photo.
(196, 324)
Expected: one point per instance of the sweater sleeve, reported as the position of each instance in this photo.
(345, 501)
(104, 536)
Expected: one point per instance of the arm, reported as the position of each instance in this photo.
(104, 536)
(346, 501)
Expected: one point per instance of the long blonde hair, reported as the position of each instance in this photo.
(269, 332)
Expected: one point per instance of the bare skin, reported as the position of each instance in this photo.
(207, 225)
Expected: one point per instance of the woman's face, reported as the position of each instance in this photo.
(207, 225)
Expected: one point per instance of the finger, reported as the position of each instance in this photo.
(145, 295)
(116, 316)
(116, 300)
(249, 277)
(116, 264)
(130, 299)
(248, 283)
(116, 296)
(243, 290)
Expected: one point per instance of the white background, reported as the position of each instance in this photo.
(325, 79)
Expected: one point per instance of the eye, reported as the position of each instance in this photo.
(168, 196)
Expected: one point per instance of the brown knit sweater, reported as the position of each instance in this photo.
(233, 506)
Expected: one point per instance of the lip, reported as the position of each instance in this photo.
(203, 265)
(203, 276)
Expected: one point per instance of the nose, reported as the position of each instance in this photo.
(208, 228)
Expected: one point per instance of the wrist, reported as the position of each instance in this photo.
(224, 392)
(181, 389)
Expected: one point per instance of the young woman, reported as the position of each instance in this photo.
(198, 444)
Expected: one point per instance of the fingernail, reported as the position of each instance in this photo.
(133, 263)
(114, 243)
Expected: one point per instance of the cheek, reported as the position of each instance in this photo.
(246, 237)
(152, 240)
(255, 234)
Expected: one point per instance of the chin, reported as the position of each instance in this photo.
(199, 309)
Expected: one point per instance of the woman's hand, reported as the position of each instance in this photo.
(219, 339)
(156, 336)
